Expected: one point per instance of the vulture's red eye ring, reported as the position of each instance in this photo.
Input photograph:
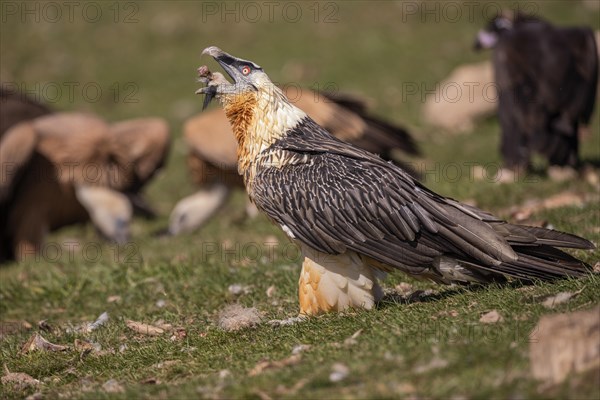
(245, 70)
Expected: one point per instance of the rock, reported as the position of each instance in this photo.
(467, 94)
(565, 343)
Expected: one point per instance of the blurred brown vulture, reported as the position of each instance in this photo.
(212, 159)
(74, 167)
(16, 148)
(547, 80)
(16, 107)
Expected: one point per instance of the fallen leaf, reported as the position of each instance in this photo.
(262, 395)
(560, 298)
(83, 346)
(339, 372)
(163, 325)
(144, 329)
(564, 199)
(270, 291)
(445, 313)
(565, 343)
(352, 339)
(435, 363)
(43, 325)
(113, 299)
(282, 390)
(567, 198)
(597, 267)
(88, 327)
(178, 334)
(37, 342)
(101, 320)
(491, 317)
(264, 365)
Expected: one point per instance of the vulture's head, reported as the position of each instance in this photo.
(248, 78)
(109, 210)
(487, 38)
(250, 82)
(258, 111)
(501, 24)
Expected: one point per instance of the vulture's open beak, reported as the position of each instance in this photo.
(216, 84)
(228, 62)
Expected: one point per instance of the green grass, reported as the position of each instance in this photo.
(371, 50)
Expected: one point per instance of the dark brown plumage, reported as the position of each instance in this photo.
(344, 199)
(354, 215)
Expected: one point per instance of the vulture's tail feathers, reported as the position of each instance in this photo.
(539, 260)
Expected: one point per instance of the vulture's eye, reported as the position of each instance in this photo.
(245, 70)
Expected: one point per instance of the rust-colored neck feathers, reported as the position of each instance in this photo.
(240, 112)
(258, 119)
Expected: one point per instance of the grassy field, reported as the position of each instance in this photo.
(142, 57)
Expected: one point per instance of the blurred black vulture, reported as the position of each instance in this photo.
(212, 159)
(547, 80)
(73, 167)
